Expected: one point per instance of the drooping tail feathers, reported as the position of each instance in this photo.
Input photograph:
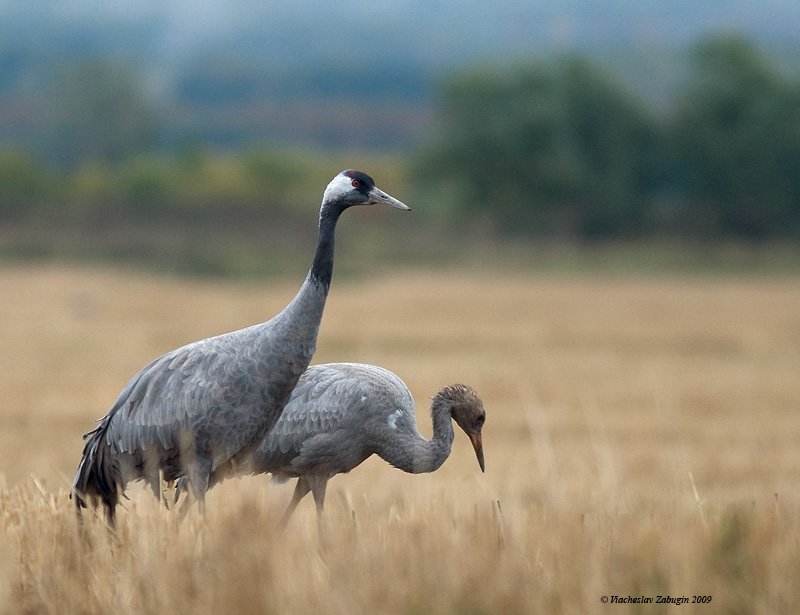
(98, 478)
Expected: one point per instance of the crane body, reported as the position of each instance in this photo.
(340, 414)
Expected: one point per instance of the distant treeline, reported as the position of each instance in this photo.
(553, 148)
(561, 148)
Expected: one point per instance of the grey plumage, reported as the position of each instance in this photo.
(339, 414)
(198, 411)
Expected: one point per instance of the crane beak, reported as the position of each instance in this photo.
(379, 197)
(477, 444)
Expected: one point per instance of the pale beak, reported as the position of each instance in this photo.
(477, 444)
(379, 197)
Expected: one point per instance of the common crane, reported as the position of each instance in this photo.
(198, 411)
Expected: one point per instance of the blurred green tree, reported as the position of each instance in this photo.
(97, 111)
(553, 148)
(22, 183)
(736, 144)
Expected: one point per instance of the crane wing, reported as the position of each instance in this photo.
(324, 398)
(180, 388)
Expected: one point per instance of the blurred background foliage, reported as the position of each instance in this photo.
(555, 148)
(545, 149)
(563, 148)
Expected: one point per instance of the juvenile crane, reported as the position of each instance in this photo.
(339, 414)
(199, 411)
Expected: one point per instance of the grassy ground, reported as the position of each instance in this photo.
(641, 440)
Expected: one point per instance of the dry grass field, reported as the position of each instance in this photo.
(642, 440)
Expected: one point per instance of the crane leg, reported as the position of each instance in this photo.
(300, 490)
(198, 475)
(318, 486)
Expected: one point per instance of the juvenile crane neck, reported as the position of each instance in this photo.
(429, 455)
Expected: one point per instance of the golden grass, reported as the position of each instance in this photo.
(642, 440)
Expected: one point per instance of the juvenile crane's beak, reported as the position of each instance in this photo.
(477, 444)
(379, 197)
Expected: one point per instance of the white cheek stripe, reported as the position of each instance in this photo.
(338, 187)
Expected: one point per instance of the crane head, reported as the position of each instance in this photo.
(468, 413)
(351, 188)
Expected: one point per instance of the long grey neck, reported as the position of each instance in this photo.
(322, 267)
(299, 321)
(429, 455)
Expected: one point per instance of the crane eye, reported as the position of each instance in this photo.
(355, 183)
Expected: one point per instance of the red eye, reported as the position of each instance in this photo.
(355, 183)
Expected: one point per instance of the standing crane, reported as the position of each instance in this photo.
(339, 414)
(200, 410)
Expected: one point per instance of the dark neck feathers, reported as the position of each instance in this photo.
(322, 267)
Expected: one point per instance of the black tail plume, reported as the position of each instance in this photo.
(98, 479)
